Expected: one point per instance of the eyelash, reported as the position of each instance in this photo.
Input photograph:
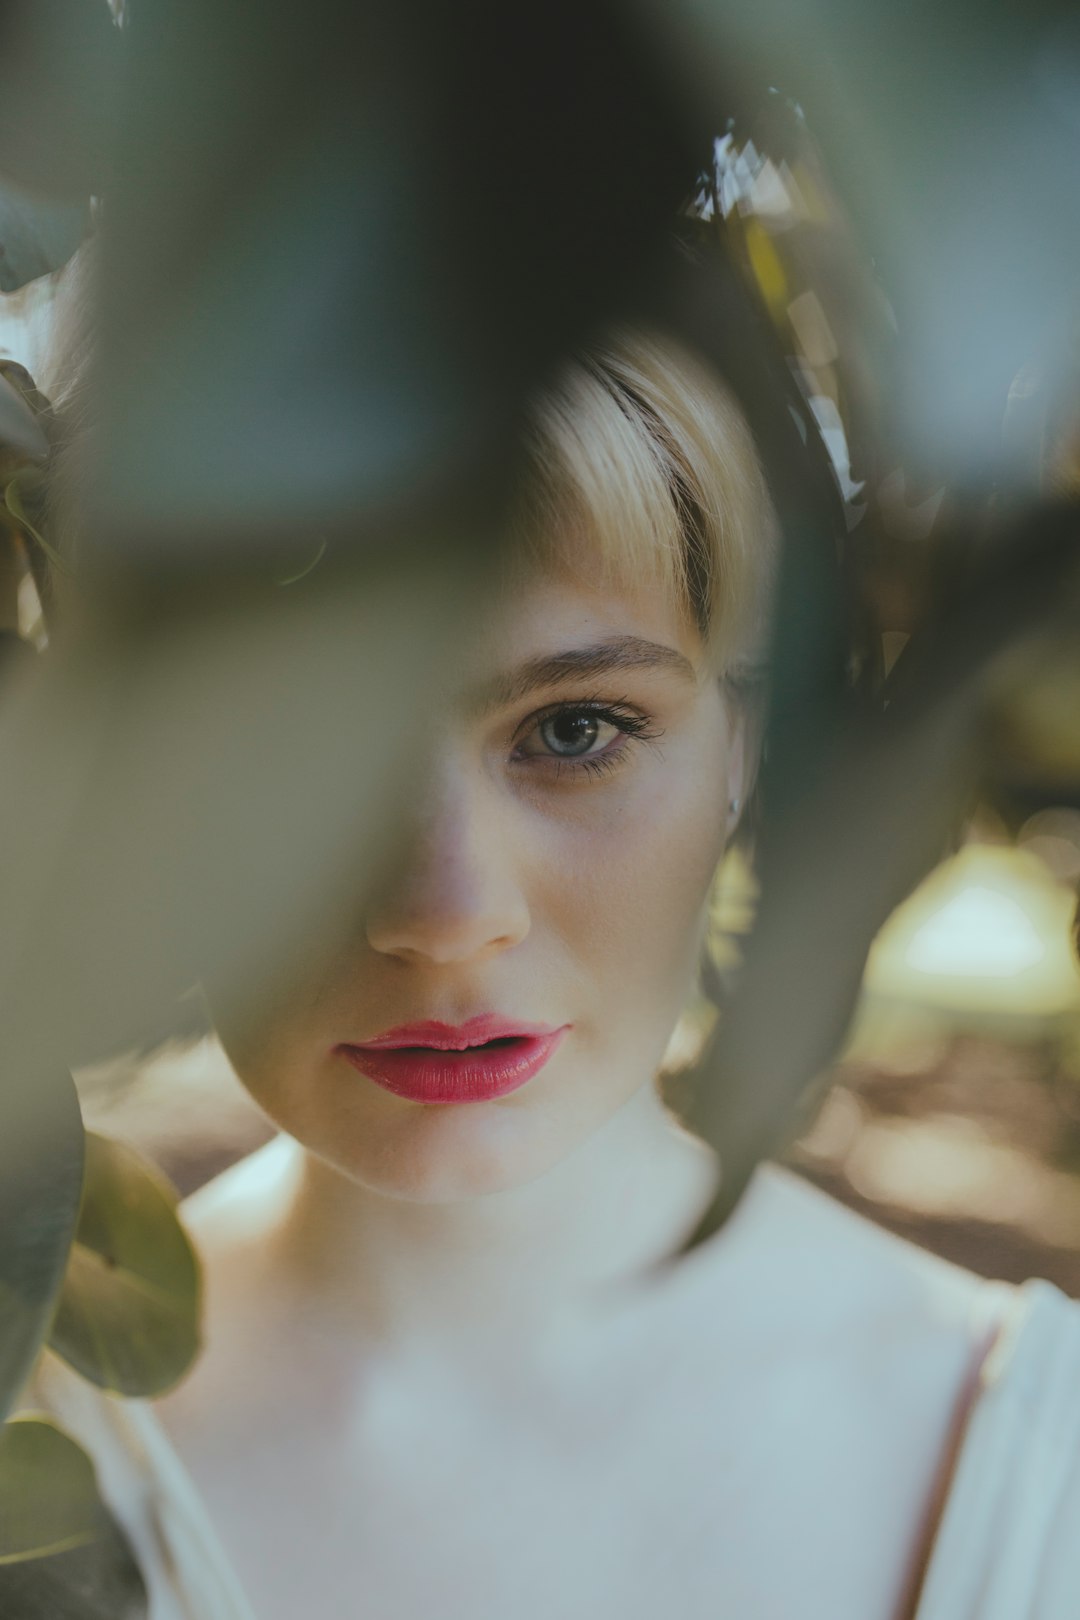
(635, 726)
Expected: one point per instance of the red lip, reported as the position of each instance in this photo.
(454, 1037)
(432, 1062)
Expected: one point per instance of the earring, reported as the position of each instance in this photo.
(733, 806)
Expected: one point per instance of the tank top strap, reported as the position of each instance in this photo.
(140, 1475)
(1008, 1540)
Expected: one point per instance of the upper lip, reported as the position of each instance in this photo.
(455, 1037)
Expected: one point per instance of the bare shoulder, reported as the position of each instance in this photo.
(837, 1340)
(860, 1271)
(230, 1221)
(802, 1286)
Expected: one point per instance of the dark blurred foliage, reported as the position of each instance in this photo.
(64, 1557)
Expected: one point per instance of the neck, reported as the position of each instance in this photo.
(506, 1266)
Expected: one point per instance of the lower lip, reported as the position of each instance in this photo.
(424, 1074)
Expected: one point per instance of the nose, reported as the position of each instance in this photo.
(455, 896)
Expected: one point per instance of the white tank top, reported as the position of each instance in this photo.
(1008, 1541)
(1007, 1544)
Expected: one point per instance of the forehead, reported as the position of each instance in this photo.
(542, 621)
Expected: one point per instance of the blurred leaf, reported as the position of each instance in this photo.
(874, 820)
(860, 807)
(98, 1582)
(36, 235)
(860, 799)
(41, 1168)
(951, 133)
(206, 790)
(128, 1313)
(58, 63)
(48, 1495)
(335, 314)
(62, 1555)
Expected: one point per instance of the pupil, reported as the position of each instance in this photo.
(570, 733)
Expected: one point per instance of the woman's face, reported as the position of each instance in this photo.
(554, 874)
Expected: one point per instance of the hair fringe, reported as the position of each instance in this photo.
(641, 470)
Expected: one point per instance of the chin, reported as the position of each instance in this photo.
(447, 1154)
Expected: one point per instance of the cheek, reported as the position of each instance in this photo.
(624, 885)
(271, 1044)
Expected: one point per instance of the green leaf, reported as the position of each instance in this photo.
(128, 1314)
(36, 235)
(62, 1555)
(41, 1169)
(48, 1495)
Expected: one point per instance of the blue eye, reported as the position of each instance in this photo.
(582, 736)
(571, 732)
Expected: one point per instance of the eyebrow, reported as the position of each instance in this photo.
(581, 663)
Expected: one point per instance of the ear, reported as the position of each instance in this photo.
(744, 719)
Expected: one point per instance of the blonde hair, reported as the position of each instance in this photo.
(641, 470)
